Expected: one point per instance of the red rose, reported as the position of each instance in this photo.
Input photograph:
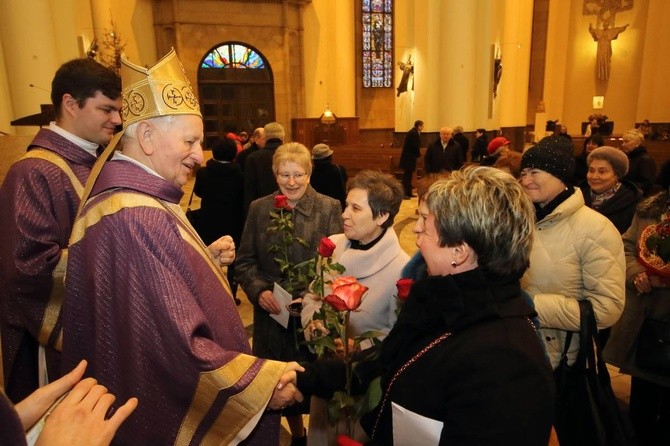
(343, 440)
(404, 285)
(342, 280)
(281, 202)
(326, 247)
(346, 297)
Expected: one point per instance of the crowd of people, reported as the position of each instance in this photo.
(141, 341)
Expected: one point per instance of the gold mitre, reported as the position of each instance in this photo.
(161, 90)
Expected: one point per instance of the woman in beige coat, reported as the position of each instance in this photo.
(577, 253)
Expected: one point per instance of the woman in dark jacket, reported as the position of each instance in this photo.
(642, 169)
(328, 178)
(581, 166)
(604, 189)
(480, 145)
(647, 297)
(464, 356)
(220, 185)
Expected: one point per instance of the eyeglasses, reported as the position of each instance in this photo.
(295, 176)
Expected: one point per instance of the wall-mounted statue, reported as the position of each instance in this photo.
(604, 38)
(605, 30)
(407, 70)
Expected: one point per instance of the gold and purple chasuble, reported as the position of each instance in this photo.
(153, 315)
(38, 204)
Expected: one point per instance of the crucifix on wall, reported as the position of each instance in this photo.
(605, 30)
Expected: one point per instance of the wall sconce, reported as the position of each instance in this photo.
(328, 117)
(598, 102)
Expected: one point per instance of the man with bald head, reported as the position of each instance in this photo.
(444, 154)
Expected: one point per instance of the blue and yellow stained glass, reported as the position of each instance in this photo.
(233, 56)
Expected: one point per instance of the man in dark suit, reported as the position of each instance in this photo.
(259, 179)
(410, 152)
(443, 155)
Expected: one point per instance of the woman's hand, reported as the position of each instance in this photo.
(223, 250)
(644, 283)
(315, 329)
(339, 345)
(267, 301)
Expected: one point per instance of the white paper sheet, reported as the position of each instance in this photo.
(410, 428)
(284, 299)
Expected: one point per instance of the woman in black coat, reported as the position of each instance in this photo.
(220, 185)
(464, 355)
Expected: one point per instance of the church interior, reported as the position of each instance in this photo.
(356, 74)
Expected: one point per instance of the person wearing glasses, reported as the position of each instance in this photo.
(314, 216)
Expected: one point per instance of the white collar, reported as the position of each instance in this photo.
(88, 146)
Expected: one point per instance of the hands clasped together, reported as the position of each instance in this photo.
(286, 393)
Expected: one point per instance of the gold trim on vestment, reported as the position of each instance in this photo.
(52, 310)
(189, 234)
(239, 409)
(53, 307)
(58, 161)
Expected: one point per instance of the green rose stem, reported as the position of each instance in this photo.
(348, 365)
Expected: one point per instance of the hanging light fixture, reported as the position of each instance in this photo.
(328, 117)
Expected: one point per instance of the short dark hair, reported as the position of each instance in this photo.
(82, 79)
(481, 131)
(224, 149)
(418, 123)
(385, 193)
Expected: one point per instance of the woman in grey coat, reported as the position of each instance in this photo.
(314, 216)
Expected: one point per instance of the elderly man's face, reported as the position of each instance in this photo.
(445, 135)
(178, 149)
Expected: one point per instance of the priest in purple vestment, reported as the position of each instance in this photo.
(147, 303)
(38, 203)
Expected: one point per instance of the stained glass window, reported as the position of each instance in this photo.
(233, 56)
(377, 16)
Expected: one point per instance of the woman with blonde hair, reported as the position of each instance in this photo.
(314, 216)
(463, 356)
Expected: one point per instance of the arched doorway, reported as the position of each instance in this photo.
(236, 90)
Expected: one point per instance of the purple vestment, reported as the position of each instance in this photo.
(153, 315)
(38, 204)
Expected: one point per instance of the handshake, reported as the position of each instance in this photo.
(286, 392)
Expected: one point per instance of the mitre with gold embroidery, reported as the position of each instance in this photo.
(161, 90)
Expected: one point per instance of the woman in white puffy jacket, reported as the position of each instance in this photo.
(577, 253)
